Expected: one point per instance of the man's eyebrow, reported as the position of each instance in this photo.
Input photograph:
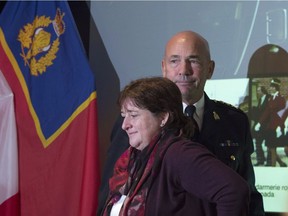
(188, 57)
(193, 56)
(174, 56)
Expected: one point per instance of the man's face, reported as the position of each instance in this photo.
(272, 89)
(187, 64)
(259, 92)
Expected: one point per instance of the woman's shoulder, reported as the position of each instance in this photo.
(184, 144)
(184, 148)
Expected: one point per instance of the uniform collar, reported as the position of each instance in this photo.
(199, 106)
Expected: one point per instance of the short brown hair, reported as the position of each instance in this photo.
(158, 95)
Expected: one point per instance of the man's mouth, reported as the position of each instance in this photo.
(184, 83)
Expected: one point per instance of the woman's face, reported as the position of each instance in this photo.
(140, 124)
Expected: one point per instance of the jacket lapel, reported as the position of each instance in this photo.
(211, 119)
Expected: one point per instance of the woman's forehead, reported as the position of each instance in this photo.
(129, 104)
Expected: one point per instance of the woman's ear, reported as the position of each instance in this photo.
(165, 118)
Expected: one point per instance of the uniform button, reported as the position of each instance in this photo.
(232, 157)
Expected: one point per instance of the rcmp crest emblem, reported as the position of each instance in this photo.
(38, 49)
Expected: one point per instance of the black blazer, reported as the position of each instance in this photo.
(225, 132)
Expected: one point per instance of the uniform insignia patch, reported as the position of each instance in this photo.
(216, 116)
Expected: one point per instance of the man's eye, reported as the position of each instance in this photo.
(195, 61)
(174, 62)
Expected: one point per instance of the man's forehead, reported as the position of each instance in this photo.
(183, 49)
(191, 56)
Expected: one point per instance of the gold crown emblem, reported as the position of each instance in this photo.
(58, 23)
(35, 39)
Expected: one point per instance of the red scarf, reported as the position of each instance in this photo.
(133, 174)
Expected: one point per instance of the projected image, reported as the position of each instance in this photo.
(270, 155)
(268, 70)
(265, 101)
(268, 114)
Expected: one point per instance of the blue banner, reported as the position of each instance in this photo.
(50, 63)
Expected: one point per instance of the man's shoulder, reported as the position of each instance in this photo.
(226, 107)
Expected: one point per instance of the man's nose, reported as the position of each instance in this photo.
(185, 68)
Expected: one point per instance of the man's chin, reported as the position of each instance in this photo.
(185, 89)
(188, 94)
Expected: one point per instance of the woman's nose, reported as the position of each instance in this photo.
(125, 124)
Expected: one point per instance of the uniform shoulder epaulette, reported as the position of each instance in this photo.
(227, 105)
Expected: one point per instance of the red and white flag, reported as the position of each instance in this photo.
(9, 190)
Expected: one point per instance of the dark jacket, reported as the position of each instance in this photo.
(225, 132)
(182, 188)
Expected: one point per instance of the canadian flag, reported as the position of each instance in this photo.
(9, 190)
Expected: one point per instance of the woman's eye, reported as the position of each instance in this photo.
(133, 115)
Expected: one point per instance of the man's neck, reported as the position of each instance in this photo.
(193, 100)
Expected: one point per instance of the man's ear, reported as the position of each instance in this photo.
(163, 68)
(211, 69)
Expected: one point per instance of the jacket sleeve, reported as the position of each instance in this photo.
(204, 176)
